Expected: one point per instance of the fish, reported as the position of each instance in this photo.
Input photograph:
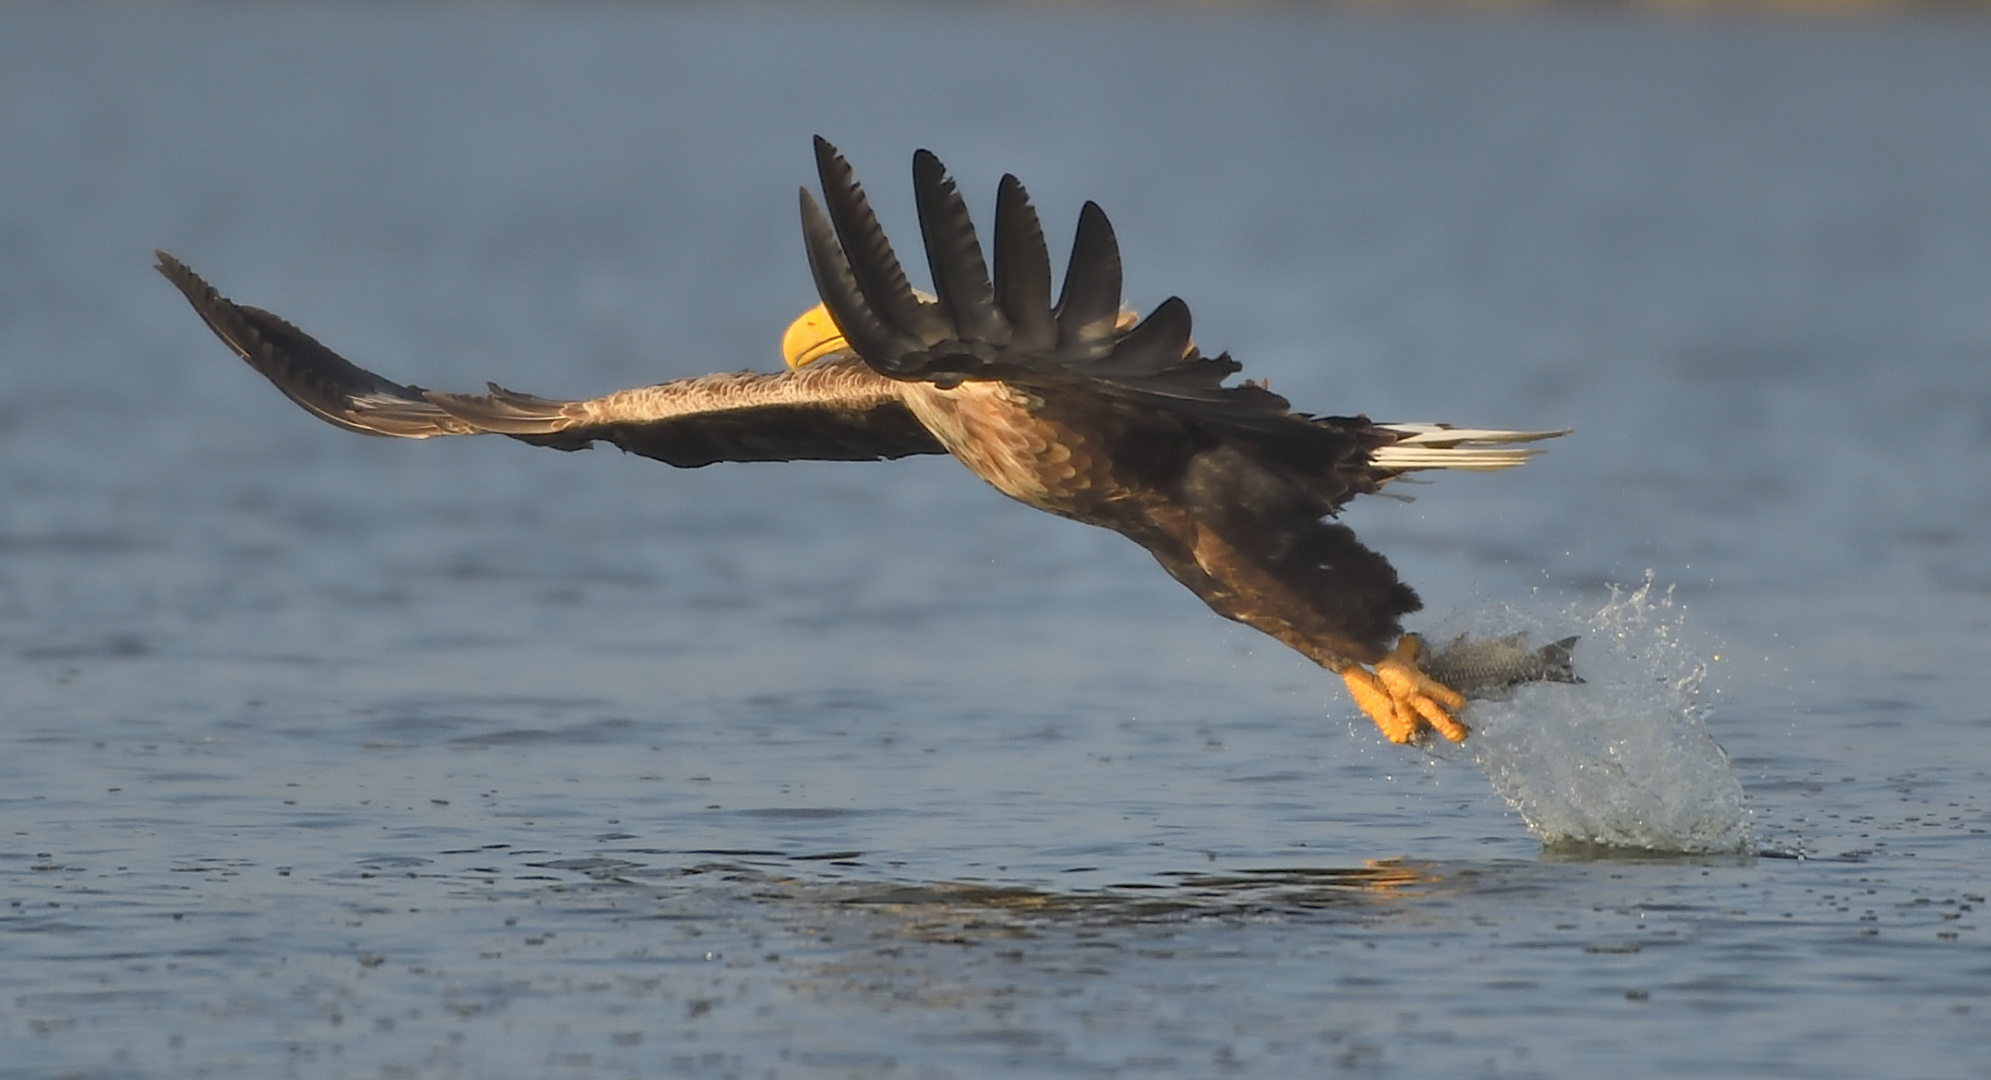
(1489, 668)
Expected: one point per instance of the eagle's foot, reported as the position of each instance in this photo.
(1404, 701)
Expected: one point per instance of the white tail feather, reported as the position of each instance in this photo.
(1439, 446)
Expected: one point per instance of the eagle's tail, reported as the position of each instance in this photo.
(1441, 446)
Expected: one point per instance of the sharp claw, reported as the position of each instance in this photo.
(1375, 701)
(1403, 701)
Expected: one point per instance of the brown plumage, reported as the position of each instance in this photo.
(835, 410)
(1065, 407)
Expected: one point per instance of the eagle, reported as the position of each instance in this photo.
(1075, 407)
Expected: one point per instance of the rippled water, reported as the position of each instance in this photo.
(326, 756)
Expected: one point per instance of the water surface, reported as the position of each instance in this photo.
(328, 756)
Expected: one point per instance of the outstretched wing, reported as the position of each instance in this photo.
(833, 410)
(1005, 327)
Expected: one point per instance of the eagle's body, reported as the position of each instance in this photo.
(1066, 408)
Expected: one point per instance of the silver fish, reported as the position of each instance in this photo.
(1491, 667)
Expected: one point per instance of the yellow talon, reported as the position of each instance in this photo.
(1404, 701)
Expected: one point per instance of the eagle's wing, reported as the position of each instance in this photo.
(833, 410)
(1005, 327)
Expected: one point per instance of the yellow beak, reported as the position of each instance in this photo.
(812, 336)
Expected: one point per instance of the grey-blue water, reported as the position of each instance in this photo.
(328, 756)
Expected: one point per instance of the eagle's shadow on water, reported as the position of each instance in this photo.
(967, 911)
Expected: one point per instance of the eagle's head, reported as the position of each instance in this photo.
(812, 336)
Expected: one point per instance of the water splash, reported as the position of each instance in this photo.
(1623, 759)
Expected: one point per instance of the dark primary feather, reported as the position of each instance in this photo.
(830, 411)
(323, 382)
(1158, 341)
(1089, 307)
(837, 285)
(876, 267)
(960, 276)
(863, 284)
(1022, 269)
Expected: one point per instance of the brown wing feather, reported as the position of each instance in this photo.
(326, 384)
(833, 410)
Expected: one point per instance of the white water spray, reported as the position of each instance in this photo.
(1623, 759)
